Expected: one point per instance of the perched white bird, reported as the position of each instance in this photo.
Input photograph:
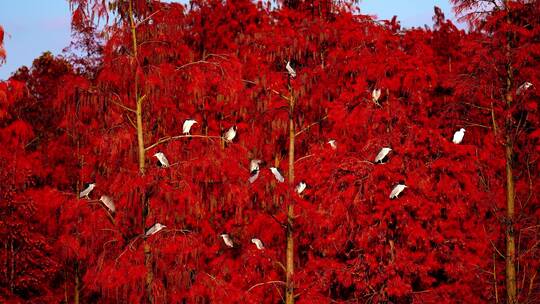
(187, 125)
(397, 190)
(258, 243)
(458, 136)
(230, 134)
(300, 187)
(375, 95)
(154, 229)
(290, 69)
(162, 159)
(87, 190)
(254, 165)
(227, 240)
(524, 87)
(278, 175)
(108, 202)
(253, 177)
(382, 155)
(333, 143)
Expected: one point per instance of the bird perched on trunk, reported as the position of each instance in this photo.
(382, 156)
(87, 189)
(458, 136)
(162, 160)
(290, 69)
(108, 202)
(154, 229)
(277, 175)
(227, 240)
(230, 134)
(187, 126)
(397, 190)
(257, 243)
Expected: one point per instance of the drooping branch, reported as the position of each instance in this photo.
(169, 138)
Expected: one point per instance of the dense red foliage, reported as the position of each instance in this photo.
(222, 63)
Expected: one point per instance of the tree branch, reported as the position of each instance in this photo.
(265, 283)
(169, 138)
(310, 125)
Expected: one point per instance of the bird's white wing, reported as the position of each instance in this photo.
(397, 189)
(458, 137)
(108, 202)
(254, 177)
(381, 155)
(163, 159)
(86, 191)
(278, 175)
(289, 68)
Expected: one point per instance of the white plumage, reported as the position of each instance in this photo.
(375, 95)
(332, 144)
(187, 125)
(254, 165)
(277, 175)
(257, 243)
(253, 177)
(382, 154)
(300, 187)
(154, 229)
(230, 134)
(87, 191)
(458, 136)
(290, 69)
(524, 87)
(162, 159)
(227, 240)
(397, 190)
(108, 202)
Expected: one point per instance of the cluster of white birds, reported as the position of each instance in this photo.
(107, 201)
(229, 242)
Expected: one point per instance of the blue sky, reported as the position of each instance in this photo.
(35, 26)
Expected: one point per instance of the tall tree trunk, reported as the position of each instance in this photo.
(289, 294)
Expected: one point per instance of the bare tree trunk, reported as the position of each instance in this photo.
(289, 294)
(76, 293)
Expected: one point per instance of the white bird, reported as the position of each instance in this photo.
(278, 175)
(253, 177)
(188, 123)
(108, 202)
(258, 243)
(397, 190)
(154, 229)
(300, 187)
(230, 134)
(162, 159)
(227, 240)
(458, 136)
(375, 95)
(254, 165)
(524, 87)
(290, 69)
(87, 190)
(382, 154)
(333, 143)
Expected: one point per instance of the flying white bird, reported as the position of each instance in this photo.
(108, 202)
(278, 175)
(300, 187)
(333, 143)
(227, 240)
(230, 134)
(87, 190)
(162, 159)
(375, 95)
(524, 87)
(258, 243)
(458, 136)
(290, 69)
(382, 155)
(397, 190)
(154, 229)
(187, 125)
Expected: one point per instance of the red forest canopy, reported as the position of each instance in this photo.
(233, 151)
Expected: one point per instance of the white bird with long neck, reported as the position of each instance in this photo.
(108, 202)
(187, 126)
(163, 161)
(157, 227)
(87, 190)
(258, 243)
(227, 240)
(290, 69)
(230, 134)
(382, 155)
(277, 175)
(397, 190)
(458, 136)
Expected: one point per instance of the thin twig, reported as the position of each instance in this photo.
(269, 282)
(169, 138)
(310, 125)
